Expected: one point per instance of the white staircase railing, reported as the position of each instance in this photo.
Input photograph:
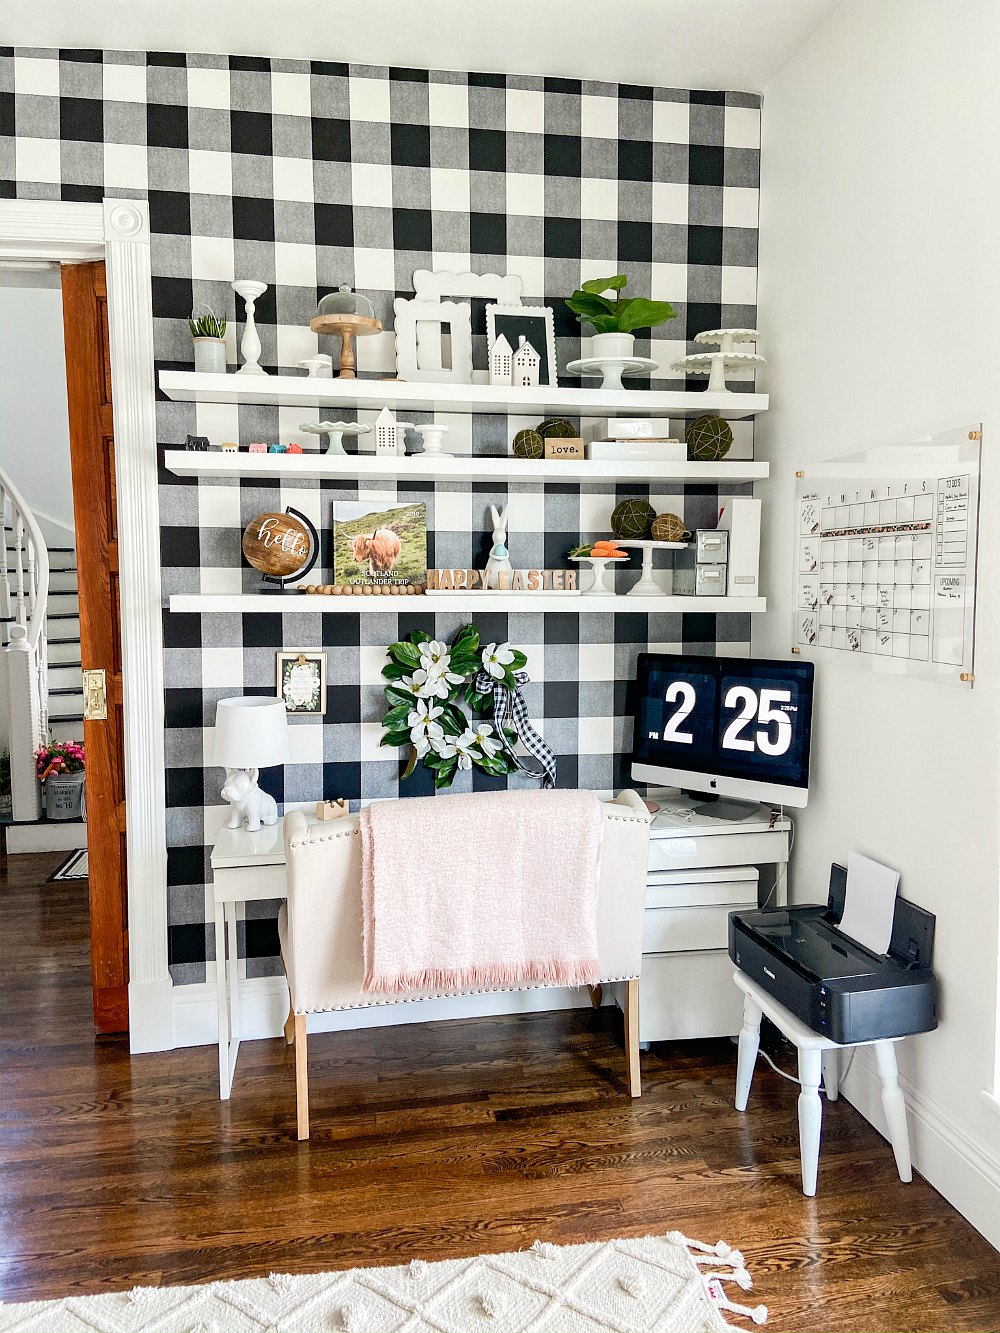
(24, 593)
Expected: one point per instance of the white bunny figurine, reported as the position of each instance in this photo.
(499, 561)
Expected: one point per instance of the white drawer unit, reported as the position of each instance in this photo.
(688, 995)
(729, 886)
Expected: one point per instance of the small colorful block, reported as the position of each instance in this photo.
(257, 448)
(294, 449)
(230, 448)
(275, 448)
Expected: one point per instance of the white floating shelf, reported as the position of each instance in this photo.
(441, 467)
(264, 603)
(188, 386)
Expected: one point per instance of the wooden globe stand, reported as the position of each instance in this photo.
(346, 328)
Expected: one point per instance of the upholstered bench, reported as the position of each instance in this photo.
(320, 926)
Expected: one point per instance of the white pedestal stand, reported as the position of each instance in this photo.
(716, 364)
(320, 367)
(432, 436)
(250, 346)
(336, 431)
(602, 585)
(647, 585)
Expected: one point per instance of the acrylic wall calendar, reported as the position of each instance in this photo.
(886, 557)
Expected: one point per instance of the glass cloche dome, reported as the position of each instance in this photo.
(344, 301)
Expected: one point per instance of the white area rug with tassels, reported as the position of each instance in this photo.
(658, 1284)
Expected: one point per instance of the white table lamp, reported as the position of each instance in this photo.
(251, 733)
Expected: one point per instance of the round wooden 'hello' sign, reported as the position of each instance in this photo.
(277, 544)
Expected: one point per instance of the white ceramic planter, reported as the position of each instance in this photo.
(612, 345)
(210, 355)
(64, 795)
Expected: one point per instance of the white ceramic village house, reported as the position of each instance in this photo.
(501, 361)
(526, 363)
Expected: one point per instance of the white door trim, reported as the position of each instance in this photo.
(117, 231)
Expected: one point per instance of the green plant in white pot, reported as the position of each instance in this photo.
(209, 334)
(613, 318)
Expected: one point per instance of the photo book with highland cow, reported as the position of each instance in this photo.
(376, 546)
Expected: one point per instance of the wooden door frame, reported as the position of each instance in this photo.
(117, 231)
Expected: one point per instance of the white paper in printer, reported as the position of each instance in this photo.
(869, 902)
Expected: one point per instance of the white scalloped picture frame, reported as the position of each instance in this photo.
(491, 286)
(416, 344)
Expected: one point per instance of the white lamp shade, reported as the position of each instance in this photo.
(251, 732)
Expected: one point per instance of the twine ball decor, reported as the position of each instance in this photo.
(557, 428)
(708, 439)
(668, 528)
(528, 444)
(632, 518)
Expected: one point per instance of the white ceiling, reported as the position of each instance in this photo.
(717, 44)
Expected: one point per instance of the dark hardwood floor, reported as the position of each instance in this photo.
(431, 1141)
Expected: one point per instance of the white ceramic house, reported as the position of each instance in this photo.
(525, 365)
(386, 433)
(501, 361)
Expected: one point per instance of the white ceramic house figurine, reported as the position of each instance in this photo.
(501, 361)
(526, 363)
(499, 561)
(389, 434)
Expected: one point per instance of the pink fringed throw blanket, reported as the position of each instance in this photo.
(490, 890)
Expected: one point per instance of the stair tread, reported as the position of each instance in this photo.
(67, 689)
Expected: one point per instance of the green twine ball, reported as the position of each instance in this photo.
(708, 439)
(557, 428)
(528, 444)
(632, 518)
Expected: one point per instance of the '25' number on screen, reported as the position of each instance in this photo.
(762, 709)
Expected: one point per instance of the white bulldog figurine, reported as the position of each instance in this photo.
(250, 805)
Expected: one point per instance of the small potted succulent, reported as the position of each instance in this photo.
(209, 334)
(60, 768)
(614, 319)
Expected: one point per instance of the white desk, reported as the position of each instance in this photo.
(684, 992)
(246, 867)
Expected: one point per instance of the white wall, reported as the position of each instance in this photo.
(879, 287)
(34, 433)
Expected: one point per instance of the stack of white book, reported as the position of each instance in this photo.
(639, 439)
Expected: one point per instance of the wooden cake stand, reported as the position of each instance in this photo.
(347, 328)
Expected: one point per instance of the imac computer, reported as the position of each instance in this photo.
(724, 726)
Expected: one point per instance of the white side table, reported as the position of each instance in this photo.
(246, 867)
(818, 1056)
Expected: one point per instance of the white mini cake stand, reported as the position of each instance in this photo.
(431, 435)
(320, 367)
(647, 585)
(601, 586)
(250, 346)
(612, 368)
(336, 431)
(716, 364)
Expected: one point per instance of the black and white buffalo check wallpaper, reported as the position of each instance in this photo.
(306, 175)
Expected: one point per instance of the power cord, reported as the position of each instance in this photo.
(791, 1077)
(782, 876)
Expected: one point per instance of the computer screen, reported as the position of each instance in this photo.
(731, 726)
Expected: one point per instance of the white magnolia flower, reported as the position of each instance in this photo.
(424, 730)
(488, 747)
(435, 652)
(460, 746)
(495, 658)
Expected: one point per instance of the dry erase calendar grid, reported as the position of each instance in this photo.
(885, 566)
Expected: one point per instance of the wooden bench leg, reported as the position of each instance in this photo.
(289, 1028)
(596, 995)
(632, 1038)
(301, 1077)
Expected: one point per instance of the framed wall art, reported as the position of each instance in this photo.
(535, 323)
(301, 680)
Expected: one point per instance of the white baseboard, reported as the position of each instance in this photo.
(46, 837)
(151, 1016)
(960, 1165)
(264, 1008)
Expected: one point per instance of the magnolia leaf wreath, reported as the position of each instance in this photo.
(430, 684)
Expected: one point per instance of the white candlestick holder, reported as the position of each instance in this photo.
(432, 436)
(250, 346)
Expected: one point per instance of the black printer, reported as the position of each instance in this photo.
(830, 982)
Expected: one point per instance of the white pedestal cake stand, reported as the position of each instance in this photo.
(647, 585)
(716, 364)
(601, 586)
(336, 431)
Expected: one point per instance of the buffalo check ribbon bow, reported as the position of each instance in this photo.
(509, 704)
